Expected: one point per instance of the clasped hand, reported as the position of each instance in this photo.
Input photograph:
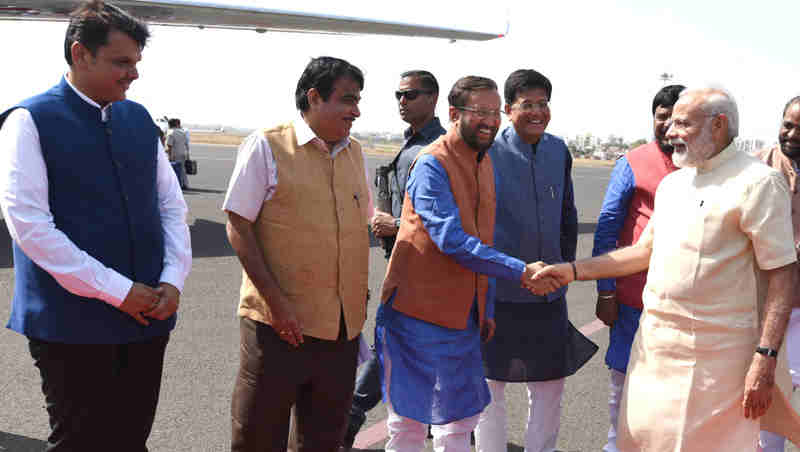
(541, 286)
(153, 302)
(542, 279)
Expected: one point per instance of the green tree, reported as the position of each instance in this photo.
(637, 143)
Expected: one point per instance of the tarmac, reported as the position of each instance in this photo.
(202, 357)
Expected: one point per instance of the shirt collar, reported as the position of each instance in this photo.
(716, 161)
(428, 130)
(105, 112)
(305, 135)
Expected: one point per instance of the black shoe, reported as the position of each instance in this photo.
(356, 421)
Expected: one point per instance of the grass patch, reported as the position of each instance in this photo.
(216, 138)
(379, 149)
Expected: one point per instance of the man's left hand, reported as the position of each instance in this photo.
(758, 386)
(167, 304)
(487, 329)
(383, 225)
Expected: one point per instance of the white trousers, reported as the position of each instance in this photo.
(616, 383)
(408, 435)
(544, 417)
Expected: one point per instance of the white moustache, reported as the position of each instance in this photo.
(677, 142)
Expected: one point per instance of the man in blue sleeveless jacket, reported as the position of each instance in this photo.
(535, 342)
(101, 246)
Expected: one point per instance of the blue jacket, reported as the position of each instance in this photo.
(103, 196)
(536, 215)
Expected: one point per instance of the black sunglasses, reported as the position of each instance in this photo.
(410, 94)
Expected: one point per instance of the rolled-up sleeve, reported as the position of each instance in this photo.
(766, 217)
(254, 178)
(429, 190)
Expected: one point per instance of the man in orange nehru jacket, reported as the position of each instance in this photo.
(437, 301)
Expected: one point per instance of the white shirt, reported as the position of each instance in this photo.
(255, 175)
(26, 208)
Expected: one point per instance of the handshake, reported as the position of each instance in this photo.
(542, 279)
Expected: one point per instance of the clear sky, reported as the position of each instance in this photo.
(603, 58)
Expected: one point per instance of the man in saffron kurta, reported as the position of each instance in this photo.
(702, 371)
(627, 208)
(435, 306)
(784, 157)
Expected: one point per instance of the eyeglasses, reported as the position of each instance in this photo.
(483, 114)
(410, 94)
(528, 107)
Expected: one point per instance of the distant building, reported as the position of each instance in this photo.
(749, 145)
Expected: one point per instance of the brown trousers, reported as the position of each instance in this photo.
(317, 377)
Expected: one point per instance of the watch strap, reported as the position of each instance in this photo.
(767, 351)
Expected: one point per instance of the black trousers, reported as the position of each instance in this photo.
(100, 397)
(317, 377)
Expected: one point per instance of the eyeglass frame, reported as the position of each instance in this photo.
(534, 106)
(482, 114)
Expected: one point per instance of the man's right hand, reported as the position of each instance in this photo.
(285, 323)
(241, 234)
(141, 298)
(607, 308)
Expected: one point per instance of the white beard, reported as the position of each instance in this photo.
(694, 153)
(683, 159)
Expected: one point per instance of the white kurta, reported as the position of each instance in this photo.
(713, 228)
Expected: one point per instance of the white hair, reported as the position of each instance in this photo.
(718, 101)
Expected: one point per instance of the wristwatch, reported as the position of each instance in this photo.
(767, 351)
(397, 223)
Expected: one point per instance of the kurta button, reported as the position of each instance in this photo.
(108, 131)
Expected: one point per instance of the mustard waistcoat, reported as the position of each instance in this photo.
(313, 236)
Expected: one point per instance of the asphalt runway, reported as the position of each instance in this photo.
(202, 356)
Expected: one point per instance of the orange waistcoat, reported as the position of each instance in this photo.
(430, 285)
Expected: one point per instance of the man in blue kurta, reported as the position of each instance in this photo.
(436, 300)
(536, 221)
(101, 246)
(416, 97)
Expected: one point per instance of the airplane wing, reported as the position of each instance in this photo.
(215, 15)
